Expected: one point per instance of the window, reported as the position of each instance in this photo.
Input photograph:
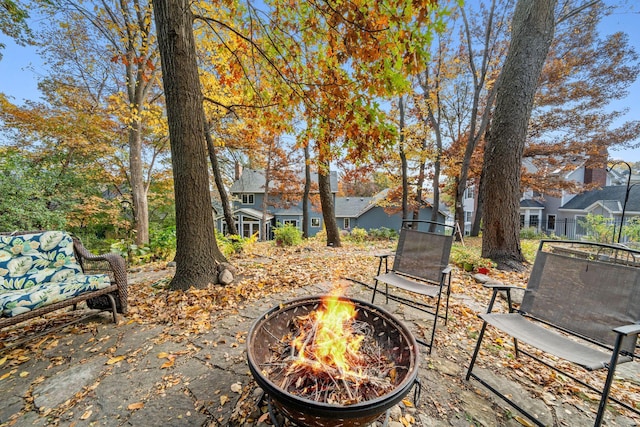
(347, 223)
(250, 227)
(315, 222)
(534, 220)
(469, 193)
(521, 220)
(551, 222)
(290, 222)
(247, 199)
(467, 216)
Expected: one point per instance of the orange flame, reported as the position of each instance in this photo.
(332, 340)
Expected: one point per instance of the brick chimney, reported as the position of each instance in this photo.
(595, 170)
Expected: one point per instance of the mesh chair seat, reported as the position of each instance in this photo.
(409, 283)
(551, 342)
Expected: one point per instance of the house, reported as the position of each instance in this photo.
(561, 215)
(248, 195)
(608, 201)
(369, 213)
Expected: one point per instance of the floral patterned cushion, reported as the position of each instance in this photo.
(40, 269)
(14, 302)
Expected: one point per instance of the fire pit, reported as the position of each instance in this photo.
(394, 343)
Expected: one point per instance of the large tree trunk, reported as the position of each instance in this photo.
(197, 254)
(138, 188)
(403, 164)
(328, 208)
(307, 191)
(217, 176)
(533, 30)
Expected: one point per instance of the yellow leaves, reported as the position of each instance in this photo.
(86, 415)
(135, 406)
(171, 358)
(3, 360)
(223, 399)
(115, 360)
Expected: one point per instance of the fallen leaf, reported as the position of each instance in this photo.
(407, 403)
(86, 415)
(223, 399)
(114, 360)
(163, 355)
(4, 359)
(5, 376)
(135, 406)
(169, 363)
(236, 387)
(523, 421)
(24, 374)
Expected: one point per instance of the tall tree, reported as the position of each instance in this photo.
(532, 33)
(197, 254)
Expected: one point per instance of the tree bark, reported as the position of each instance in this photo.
(138, 187)
(533, 30)
(328, 208)
(197, 254)
(404, 164)
(307, 191)
(217, 176)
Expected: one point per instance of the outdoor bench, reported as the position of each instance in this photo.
(581, 305)
(41, 272)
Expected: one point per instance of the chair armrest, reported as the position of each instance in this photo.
(628, 329)
(447, 269)
(117, 265)
(384, 254)
(497, 287)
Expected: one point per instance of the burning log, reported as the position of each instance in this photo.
(331, 357)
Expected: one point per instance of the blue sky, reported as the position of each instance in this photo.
(20, 69)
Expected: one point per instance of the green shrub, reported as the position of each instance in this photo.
(358, 235)
(234, 244)
(163, 242)
(529, 233)
(287, 235)
(469, 258)
(383, 233)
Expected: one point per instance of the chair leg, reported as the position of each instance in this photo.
(114, 310)
(607, 384)
(477, 349)
(375, 289)
(446, 311)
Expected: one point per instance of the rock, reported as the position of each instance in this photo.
(395, 413)
(227, 266)
(225, 277)
(483, 278)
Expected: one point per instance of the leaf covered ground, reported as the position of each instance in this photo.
(266, 270)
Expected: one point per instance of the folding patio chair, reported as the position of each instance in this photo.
(582, 305)
(420, 266)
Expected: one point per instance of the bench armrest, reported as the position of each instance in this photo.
(625, 330)
(117, 267)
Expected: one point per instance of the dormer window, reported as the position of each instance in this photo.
(247, 199)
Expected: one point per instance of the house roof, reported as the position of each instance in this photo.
(253, 213)
(253, 181)
(530, 203)
(612, 197)
(352, 206)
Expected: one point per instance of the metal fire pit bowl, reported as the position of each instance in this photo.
(391, 335)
